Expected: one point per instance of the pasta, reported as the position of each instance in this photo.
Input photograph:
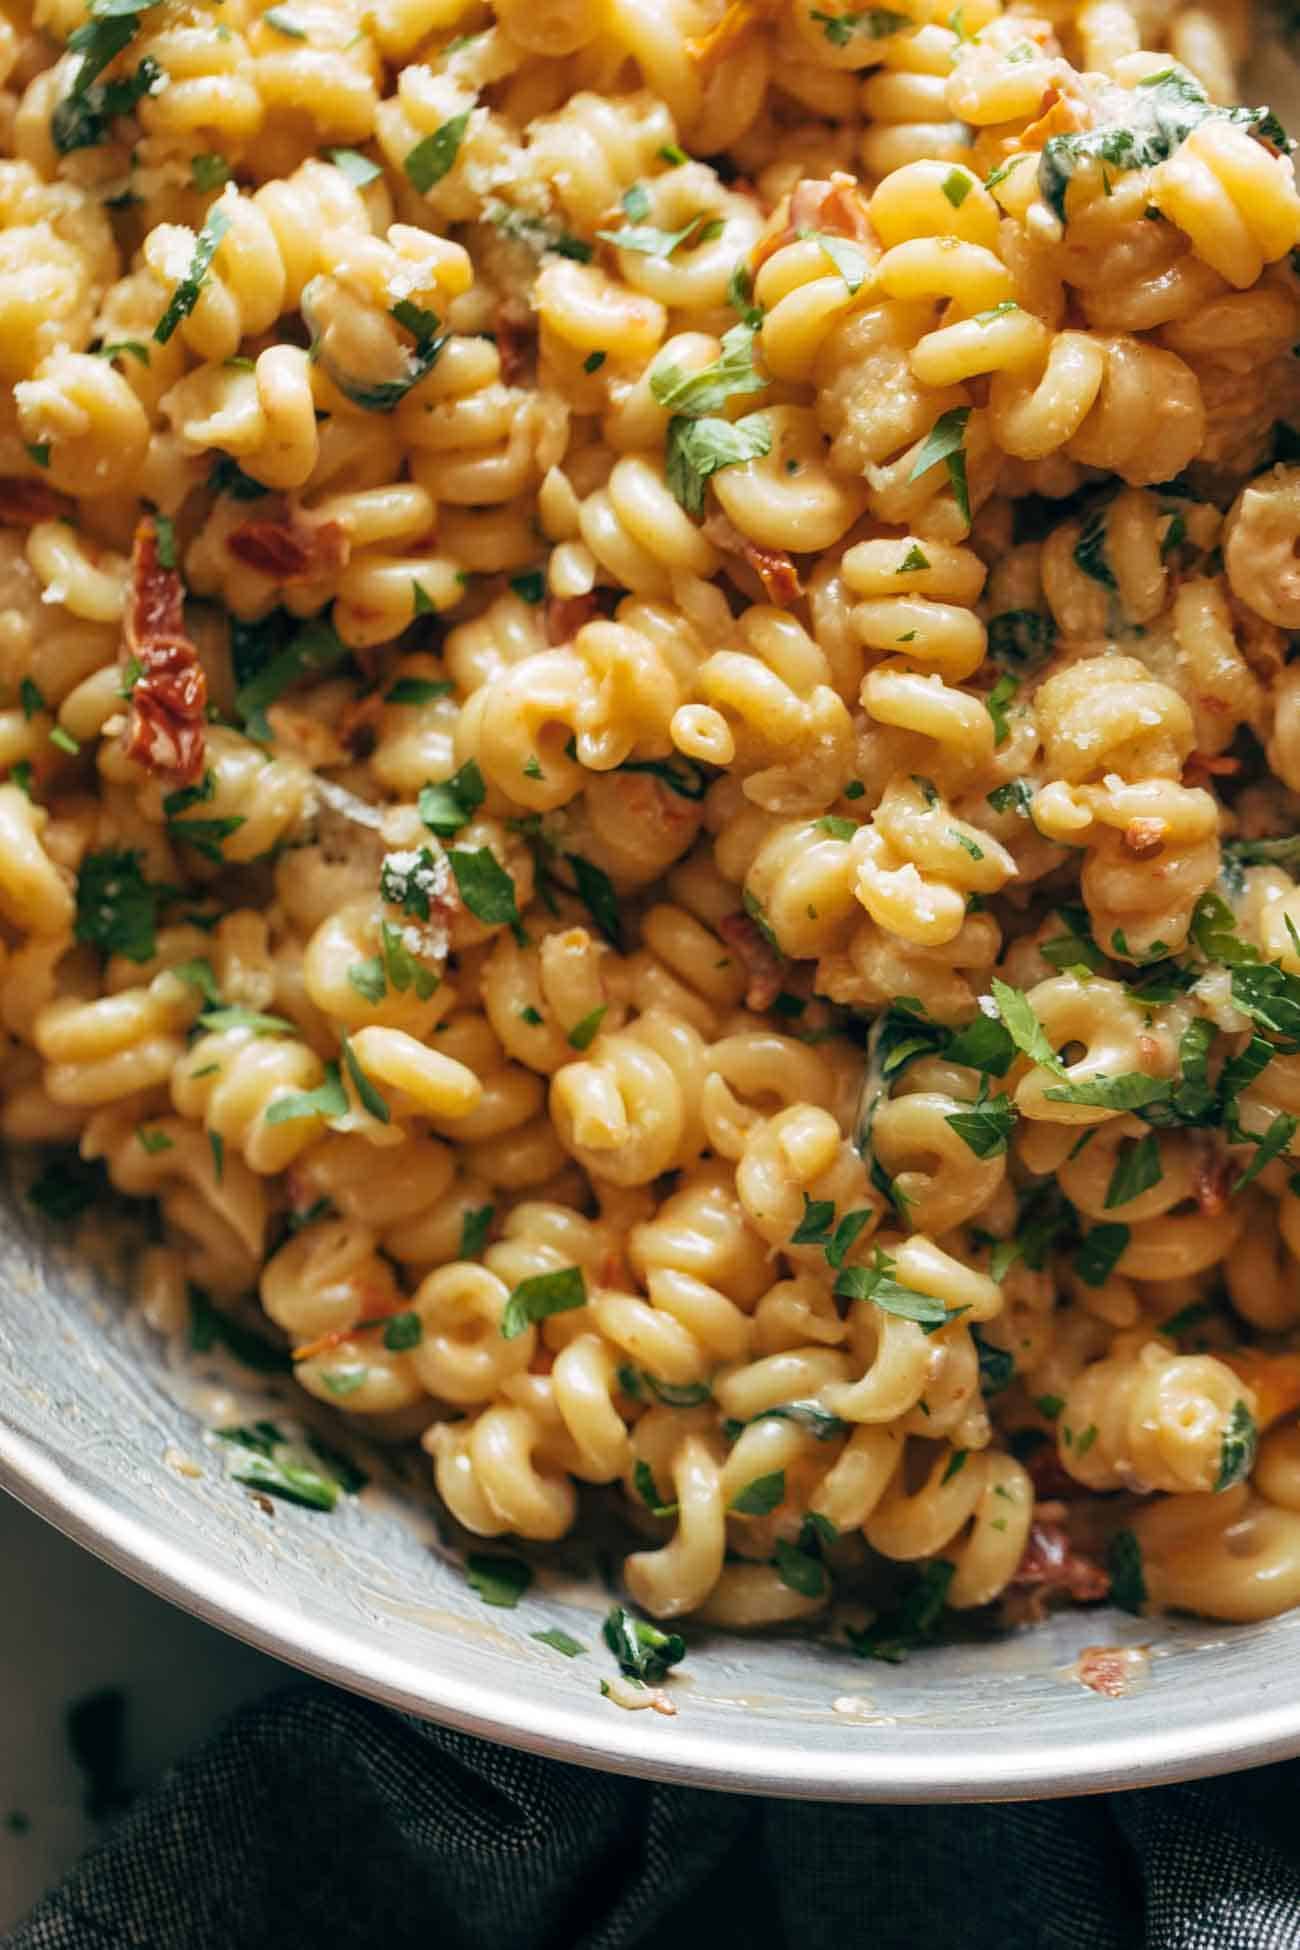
(648, 764)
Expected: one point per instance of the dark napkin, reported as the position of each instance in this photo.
(315, 1821)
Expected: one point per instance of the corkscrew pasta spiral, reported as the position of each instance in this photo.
(647, 760)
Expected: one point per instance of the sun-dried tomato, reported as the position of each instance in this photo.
(291, 550)
(167, 706)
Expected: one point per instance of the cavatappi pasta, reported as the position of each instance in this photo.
(648, 767)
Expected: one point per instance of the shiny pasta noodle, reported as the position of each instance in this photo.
(645, 802)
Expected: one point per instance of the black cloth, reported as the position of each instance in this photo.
(316, 1821)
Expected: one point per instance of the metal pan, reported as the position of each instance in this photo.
(99, 1433)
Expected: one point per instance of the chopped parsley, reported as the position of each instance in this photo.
(996, 703)
(1021, 638)
(1099, 1252)
(1128, 1588)
(431, 159)
(762, 1496)
(486, 889)
(81, 120)
(329, 1099)
(698, 443)
(529, 586)
(446, 807)
(870, 23)
(474, 1228)
(946, 443)
(358, 169)
(1090, 550)
(1023, 1026)
(847, 258)
(67, 1185)
(643, 1652)
(418, 690)
(560, 1642)
(987, 1126)
(1237, 1453)
(311, 651)
(367, 1096)
(584, 1033)
(186, 295)
(1137, 1169)
(799, 1570)
(117, 907)
(540, 1296)
(209, 172)
(1162, 111)
(595, 890)
(877, 1283)
(913, 1622)
(497, 1579)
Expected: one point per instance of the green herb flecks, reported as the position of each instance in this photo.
(498, 1580)
(1161, 112)
(540, 1296)
(913, 1622)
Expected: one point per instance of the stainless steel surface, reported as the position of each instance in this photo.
(96, 1435)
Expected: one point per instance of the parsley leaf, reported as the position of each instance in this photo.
(810, 1415)
(1022, 638)
(560, 1642)
(997, 1367)
(367, 1095)
(540, 1296)
(208, 172)
(1276, 1139)
(698, 449)
(358, 169)
(1137, 1169)
(1128, 1588)
(403, 969)
(762, 1496)
(1237, 1453)
(1131, 1091)
(795, 1568)
(68, 1185)
(642, 1650)
(814, 1229)
(946, 442)
(186, 295)
(328, 1100)
(584, 1033)
(497, 1579)
(1023, 1026)
(485, 887)
(847, 258)
(431, 159)
(418, 690)
(910, 1623)
(648, 1491)
(1163, 110)
(312, 651)
(595, 890)
(987, 1126)
(81, 120)
(996, 703)
(448, 806)
(647, 241)
(1090, 550)
(872, 23)
(876, 1282)
(117, 907)
(1270, 997)
(1099, 1252)
(474, 1228)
